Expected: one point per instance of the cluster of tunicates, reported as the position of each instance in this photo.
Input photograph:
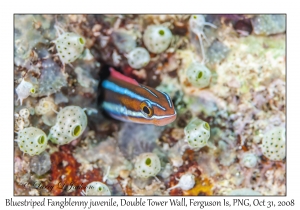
(157, 39)
(24, 114)
(71, 122)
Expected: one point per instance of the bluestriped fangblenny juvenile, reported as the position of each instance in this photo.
(125, 99)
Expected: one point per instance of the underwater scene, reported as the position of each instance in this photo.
(172, 105)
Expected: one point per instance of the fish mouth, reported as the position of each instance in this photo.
(166, 119)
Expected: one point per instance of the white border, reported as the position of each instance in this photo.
(8, 8)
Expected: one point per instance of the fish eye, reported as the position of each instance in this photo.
(146, 109)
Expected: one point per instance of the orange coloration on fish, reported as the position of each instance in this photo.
(127, 100)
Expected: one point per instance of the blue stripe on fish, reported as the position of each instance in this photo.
(123, 91)
(167, 97)
(149, 91)
(119, 110)
(125, 99)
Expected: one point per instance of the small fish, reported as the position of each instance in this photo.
(124, 99)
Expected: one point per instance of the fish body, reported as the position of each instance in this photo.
(125, 99)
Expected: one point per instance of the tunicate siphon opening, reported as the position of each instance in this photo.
(81, 40)
(100, 188)
(161, 32)
(32, 90)
(148, 161)
(41, 140)
(77, 130)
(206, 126)
(195, 17)
(45, 104)
(200, 75)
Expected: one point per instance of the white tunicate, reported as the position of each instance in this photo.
(123, 40)
(97, 188)
(186, 182)
(23, 90)
(147, 165)
(24, 113)
(197, 133)
(249, 160)
(70, 124)
(157, 38)
(69, 46)
(45, 106)
(198, 75)
(273, 144)
(197, 23)
(138, 58)
(32, 141)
